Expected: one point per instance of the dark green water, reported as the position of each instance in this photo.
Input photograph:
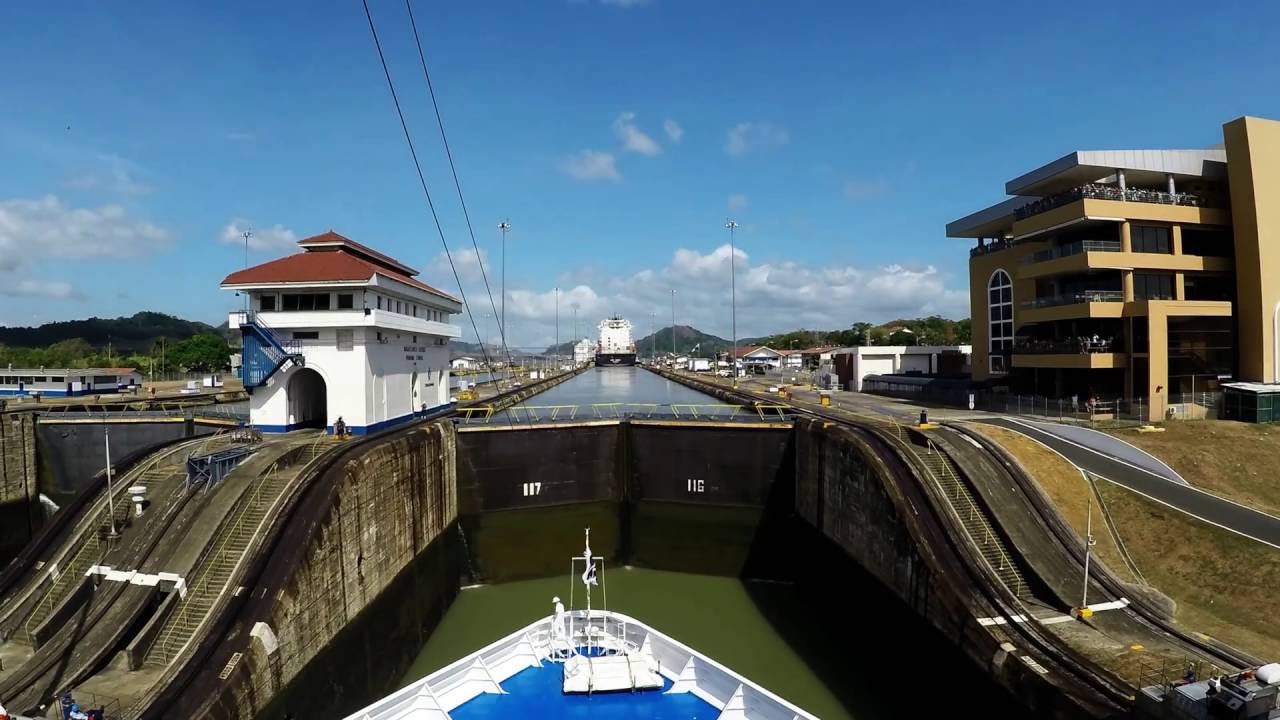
(714, 615)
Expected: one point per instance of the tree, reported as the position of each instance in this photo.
(201, 353)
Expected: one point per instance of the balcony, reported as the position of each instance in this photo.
(1080, 345)
(1095, 191)
(993, 246)
(1076, 248)
(1076, 298)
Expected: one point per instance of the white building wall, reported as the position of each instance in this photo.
(370, 385)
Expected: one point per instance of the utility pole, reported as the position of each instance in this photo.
(248, 233)
(111, 503)
(557, 328)
(653, 338)
(733, 304)
(1089, 542)
(673, 325)
(504, 226)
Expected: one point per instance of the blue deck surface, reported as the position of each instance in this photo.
(535, 693)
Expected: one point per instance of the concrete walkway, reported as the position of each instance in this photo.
(1199, 504)
(1108, 445)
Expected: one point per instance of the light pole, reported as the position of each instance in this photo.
(653, 338)
(733, 304)
(504, 226)
(673, 325)
(111, 503)
(557, 328)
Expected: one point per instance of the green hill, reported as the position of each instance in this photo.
(118, 342)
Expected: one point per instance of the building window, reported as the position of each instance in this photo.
(302, 302)
(379, 302)
(346, 301)
(267, 303)
(397, 306)
(346, 339)
(1150, 239)
(306, 334)
(57, 379)
(415, 311)
(1152, 286)
(999, 318)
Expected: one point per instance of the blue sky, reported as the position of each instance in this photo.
(616, 136)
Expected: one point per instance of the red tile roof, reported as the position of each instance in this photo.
(328, 258)
(333, 239)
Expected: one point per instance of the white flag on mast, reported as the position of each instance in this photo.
(589, 575)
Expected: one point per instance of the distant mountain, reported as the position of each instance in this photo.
(125, 334)
(686, 339)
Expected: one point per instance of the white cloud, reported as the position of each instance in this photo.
(276, 237)
(467, 263)
(746, 137)
(49, 289)
(34, 230)
(46, 227)
(592, 165)
(864, 189)
(633, 138)
(737, 202)
(113, 174)
(673, 130)
(771, 297)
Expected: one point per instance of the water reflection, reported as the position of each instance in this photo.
(620, 385)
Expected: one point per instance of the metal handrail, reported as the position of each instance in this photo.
(1074, 298)
(220, 553)
(94, 541)
(1075, 248)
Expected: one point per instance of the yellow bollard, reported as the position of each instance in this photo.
(826, 400)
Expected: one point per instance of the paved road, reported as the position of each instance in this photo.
(1205, 506)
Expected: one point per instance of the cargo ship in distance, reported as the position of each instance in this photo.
(615, 347)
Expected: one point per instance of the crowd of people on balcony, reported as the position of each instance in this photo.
(1099, 191)
(1084, 344)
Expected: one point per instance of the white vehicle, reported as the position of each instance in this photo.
(699, 365)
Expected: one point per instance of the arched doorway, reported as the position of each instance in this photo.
(308, 400)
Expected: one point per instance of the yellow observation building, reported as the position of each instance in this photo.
(1144, 275)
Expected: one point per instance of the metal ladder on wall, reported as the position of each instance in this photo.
(972, 518)
(214, 574)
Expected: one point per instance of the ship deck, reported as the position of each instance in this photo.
(534, 693)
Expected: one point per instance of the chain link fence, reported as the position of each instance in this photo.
(1119, 411)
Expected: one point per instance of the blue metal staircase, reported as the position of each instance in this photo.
(263, 352)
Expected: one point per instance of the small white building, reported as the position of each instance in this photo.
(341, 331)
(66, 382)
(584, 352)
(464, 363)
(855, 363)
(759, 357)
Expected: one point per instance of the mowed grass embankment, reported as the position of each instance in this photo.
(1222, 582)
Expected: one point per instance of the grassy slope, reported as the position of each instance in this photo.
(1222, 583)
(1240, 461)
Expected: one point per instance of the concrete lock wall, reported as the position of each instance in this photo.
(653, 494)
(376, 573)
(73, 452)
(20, 514)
